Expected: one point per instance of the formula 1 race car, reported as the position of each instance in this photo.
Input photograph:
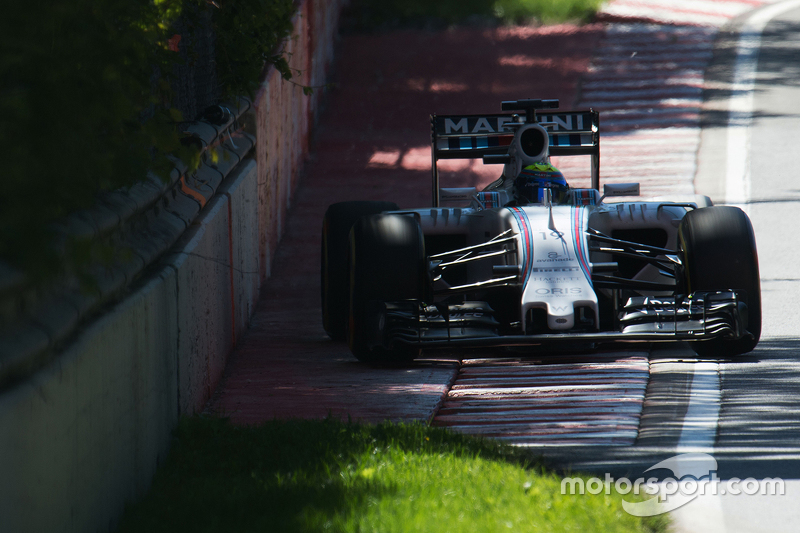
(529, 261)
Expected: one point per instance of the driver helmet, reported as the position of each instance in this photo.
(535, 178)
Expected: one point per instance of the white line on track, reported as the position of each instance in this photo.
(700, 424)
(740, 105)
(699, 430)
(702, 418)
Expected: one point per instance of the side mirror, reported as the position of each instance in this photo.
(620, 189)
(457, 194)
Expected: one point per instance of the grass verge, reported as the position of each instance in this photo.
(370, 15)
(335, 476)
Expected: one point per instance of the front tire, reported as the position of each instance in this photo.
(387, 264)
(719, 249)
(335, 277)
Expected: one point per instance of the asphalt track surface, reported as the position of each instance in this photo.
(373, 144)
(758, 431)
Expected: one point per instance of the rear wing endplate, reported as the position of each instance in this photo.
(474, 136)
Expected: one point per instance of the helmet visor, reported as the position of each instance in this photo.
(531, 186)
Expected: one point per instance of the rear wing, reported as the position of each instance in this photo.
(475, 136)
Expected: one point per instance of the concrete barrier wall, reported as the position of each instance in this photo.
(84, 435)
(214, 301)
(281, 151)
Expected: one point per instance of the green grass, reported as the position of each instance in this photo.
(369, 15)
(335, 476)
(547, 11)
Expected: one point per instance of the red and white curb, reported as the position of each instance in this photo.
(695, 12)
(525, 403)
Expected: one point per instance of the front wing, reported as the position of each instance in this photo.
(699, 316)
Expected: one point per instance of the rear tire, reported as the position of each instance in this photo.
(335, 277)
(719, 249)
(387, 264)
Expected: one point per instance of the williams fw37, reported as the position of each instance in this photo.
(530, 261)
